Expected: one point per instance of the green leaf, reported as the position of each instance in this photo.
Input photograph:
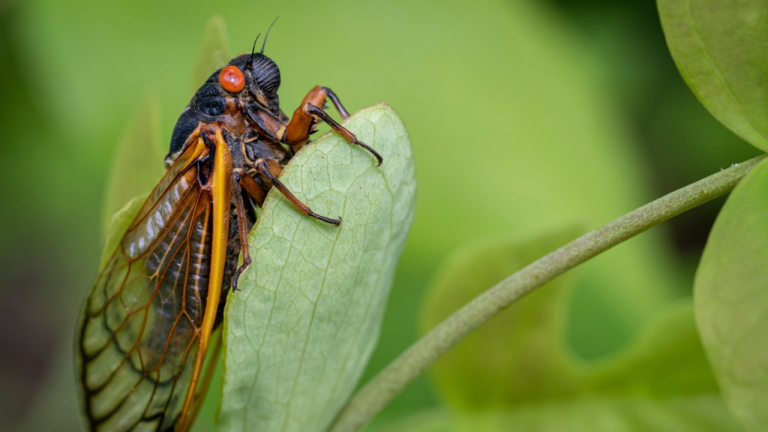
(214, 52)
(721, 49)
(731, 299)
(705, 413)
(119, 223)
(300, 332)
(666, 360)
(520, 362)
(138, 161)
(520, 355)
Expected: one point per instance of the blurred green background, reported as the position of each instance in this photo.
(525, 117)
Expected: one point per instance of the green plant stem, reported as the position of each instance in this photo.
(375, 395)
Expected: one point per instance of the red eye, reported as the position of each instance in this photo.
(232, 79)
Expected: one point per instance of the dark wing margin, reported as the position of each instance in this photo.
(143, 331)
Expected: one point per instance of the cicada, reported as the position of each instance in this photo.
(146, 326)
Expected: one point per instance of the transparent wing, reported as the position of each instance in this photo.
(139, 333)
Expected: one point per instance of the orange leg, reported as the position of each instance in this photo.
(251, 187)
(309, 113)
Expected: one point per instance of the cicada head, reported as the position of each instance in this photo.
(265, 74)
(249, 80)
(262, 78)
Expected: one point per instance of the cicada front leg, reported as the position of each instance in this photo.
(309, 113)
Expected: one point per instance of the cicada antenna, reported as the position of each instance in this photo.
(253, 51)
(264, 44)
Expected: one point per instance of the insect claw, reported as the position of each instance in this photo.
(239, 272)
(376, 154)
(334, 222)
(235, 280)
(319, 114)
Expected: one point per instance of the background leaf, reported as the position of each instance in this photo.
(731, 298)
(138, 161)
(519, 355)
(214, 52)
(667, 360)
(705, 413)
(721, 49)
(119, 223)
(520, 366)
(300, 333)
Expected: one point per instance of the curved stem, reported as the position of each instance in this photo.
(375, 395)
